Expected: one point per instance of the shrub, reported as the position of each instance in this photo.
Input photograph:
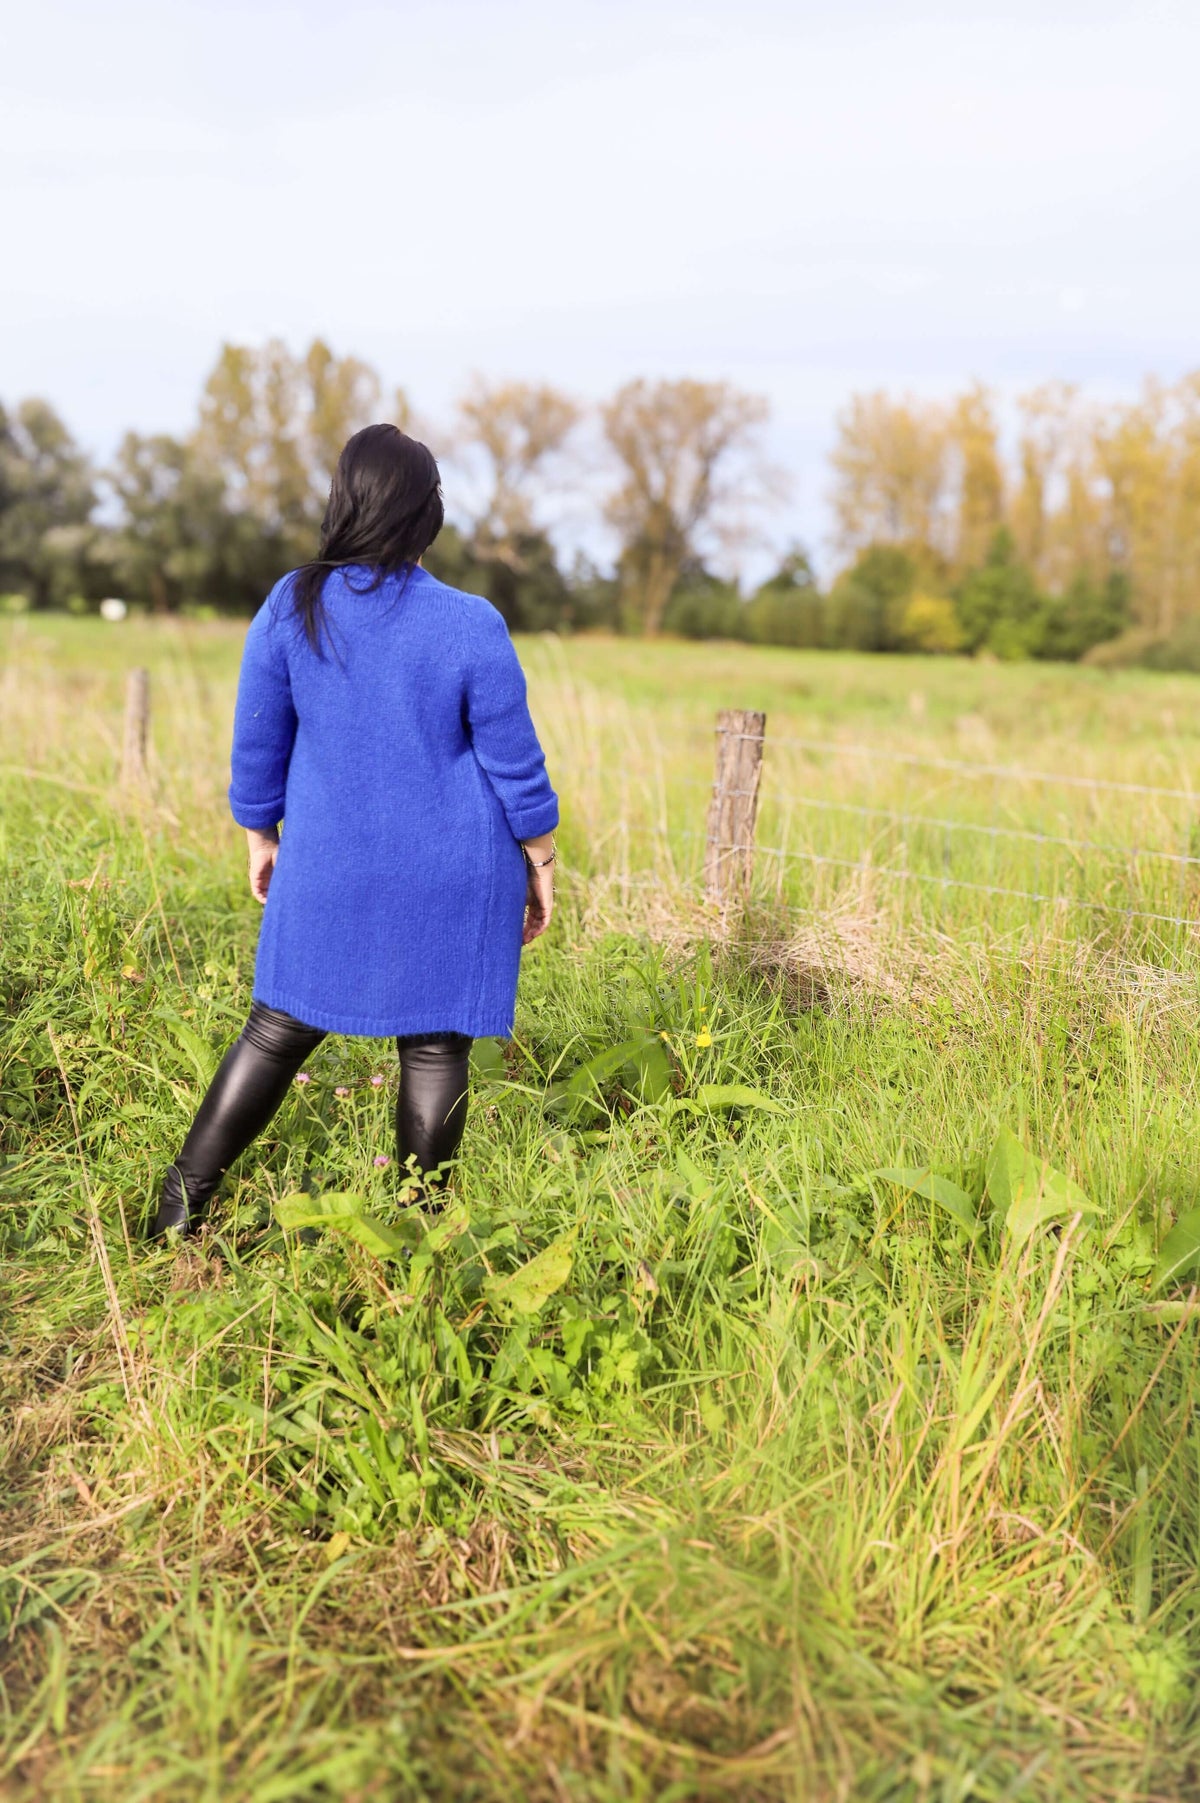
(929, 623)
(704, 608)
(789, 608)
(998, 605)
(1087, 614)
(1180, 650)
(868, 601)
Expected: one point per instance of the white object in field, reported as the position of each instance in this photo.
(112, 609)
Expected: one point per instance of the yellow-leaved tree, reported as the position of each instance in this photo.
(271, 426)
(691, 470)
(519, 432)
(892, 473)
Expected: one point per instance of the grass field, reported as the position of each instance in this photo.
(797, 1399)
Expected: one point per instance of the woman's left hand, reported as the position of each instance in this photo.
(264, 849)
(539, 893)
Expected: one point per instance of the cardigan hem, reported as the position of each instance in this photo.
(493, 1026)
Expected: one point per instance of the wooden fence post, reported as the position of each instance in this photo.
(137, 727)
(729, 847)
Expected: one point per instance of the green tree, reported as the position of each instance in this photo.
(704, 607)
(788, 609)
(998, 605)
(47, 498)
(1088, 613)
(177, 542)
(527, 587)
(867, 603)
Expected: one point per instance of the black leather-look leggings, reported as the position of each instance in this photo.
(252, 1080)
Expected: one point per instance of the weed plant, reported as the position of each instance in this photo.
(795, 1398)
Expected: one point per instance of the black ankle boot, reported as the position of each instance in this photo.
(174, 1209)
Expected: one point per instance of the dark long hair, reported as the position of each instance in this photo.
(385, 510)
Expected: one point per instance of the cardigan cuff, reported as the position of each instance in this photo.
(531, 823)
(260, 817)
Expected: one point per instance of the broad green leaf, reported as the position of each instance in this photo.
(947, 1195)
(699, 1186)
(582, 1093)
(575, 1332)
(1179, 1254)
(341, 1211)
(1178, 1310)
(585, 1081)
(526, 1291)
(330, 1209)
(583, 1090)
(654, 1069)
(783, 1235)
(487, 1061)
(1026, 1191)
(374, 1235)
(198, 1051)
(712, 1097)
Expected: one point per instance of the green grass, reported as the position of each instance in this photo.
(786, 1481)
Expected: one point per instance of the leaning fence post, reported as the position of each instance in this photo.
(729, 846)
(137, 726)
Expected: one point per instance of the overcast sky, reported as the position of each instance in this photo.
(806, 199)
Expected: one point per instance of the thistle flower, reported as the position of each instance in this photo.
(380, 1161)
(377, 1080)
(341, 1090)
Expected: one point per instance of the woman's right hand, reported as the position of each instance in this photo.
(263, 849)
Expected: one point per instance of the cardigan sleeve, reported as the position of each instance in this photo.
(501, 731)
(264, 727)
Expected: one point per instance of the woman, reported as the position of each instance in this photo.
(382, 716)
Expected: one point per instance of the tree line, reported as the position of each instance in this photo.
(1081, 539)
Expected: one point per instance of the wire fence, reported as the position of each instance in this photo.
(1001, 868)
(959, 766)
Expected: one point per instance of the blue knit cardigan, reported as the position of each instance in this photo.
(406, 770)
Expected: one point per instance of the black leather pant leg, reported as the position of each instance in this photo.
(431, 1110)
(251, 1081)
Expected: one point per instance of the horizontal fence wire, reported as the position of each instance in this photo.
(961, 767)
(1134, 855)
(643, 881)
(949, 882)
(902, 817)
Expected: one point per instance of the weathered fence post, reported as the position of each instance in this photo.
(137, 726)
(729, 847)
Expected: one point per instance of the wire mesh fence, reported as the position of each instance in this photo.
(964, 847)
